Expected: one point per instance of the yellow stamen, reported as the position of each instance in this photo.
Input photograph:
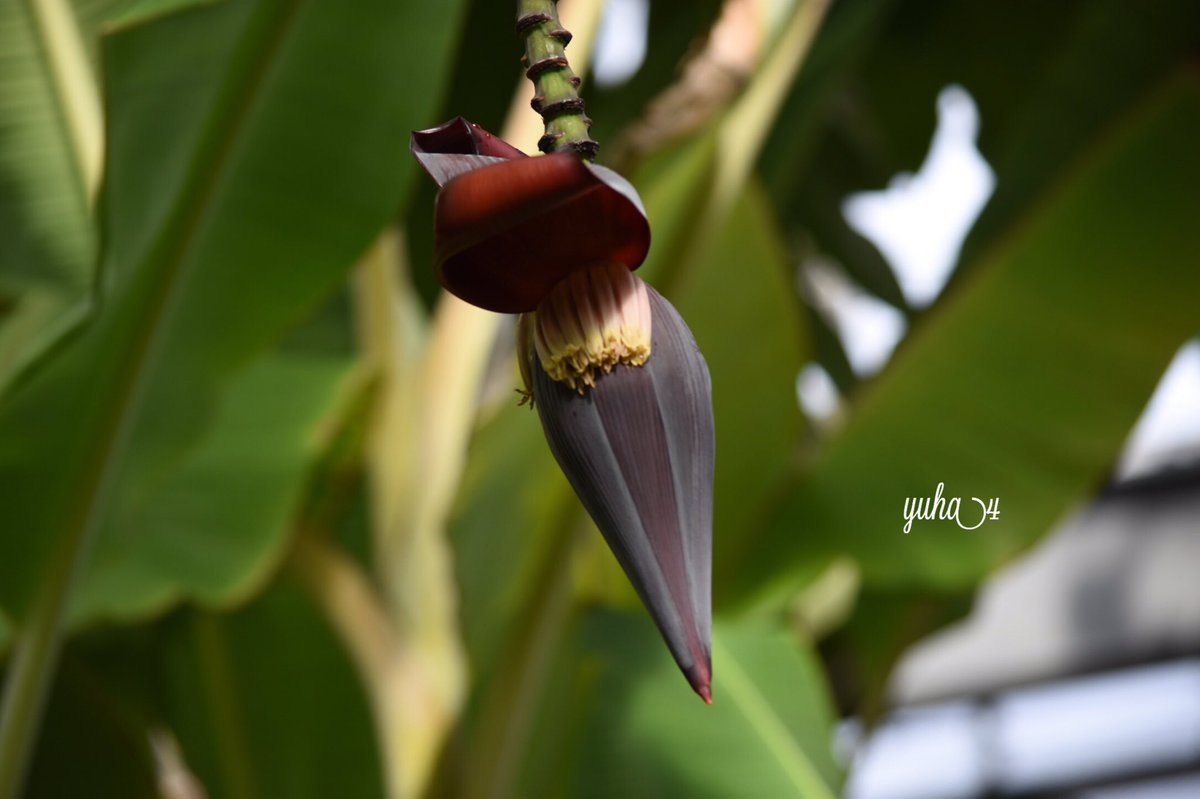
(606, 302)
(589, 323)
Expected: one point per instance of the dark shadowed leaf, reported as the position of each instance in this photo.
(93, 744)
(1103, 63)
(885, 623)
(265, 703)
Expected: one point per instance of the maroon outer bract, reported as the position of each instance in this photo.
(508, 227)
(638, 450)
(456, 147)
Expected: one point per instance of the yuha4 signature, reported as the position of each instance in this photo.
(939, 508)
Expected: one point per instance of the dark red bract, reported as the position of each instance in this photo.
(508, 228)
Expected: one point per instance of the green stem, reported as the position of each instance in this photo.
(223, 706)
(35, 656)
(515, 692)
(556, 87)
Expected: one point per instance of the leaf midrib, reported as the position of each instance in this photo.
(232, 108)
(72, 80)
(769, 727)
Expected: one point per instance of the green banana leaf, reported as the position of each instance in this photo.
(214, 528)
(618, 721)
(245, 174)
(1022, 383)
(45, 223)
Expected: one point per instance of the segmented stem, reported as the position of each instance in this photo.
(556, 87)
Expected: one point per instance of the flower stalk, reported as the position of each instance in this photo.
(556, 86)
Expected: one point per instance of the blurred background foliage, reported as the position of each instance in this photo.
(273, 524)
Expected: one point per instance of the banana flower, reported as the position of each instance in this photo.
(621, 390)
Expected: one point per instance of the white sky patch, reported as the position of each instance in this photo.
(1091, 728)
(919, 222)
(817, 392)
(620, 41)
(1169, 429)
(868, 327)
(1042, 738)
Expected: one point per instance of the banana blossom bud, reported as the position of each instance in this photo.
(621, 390)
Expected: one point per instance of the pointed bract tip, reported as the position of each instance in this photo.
(700, 678)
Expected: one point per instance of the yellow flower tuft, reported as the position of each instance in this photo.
(593, 320)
